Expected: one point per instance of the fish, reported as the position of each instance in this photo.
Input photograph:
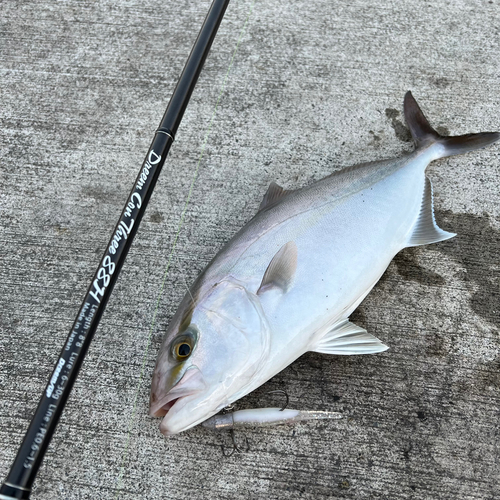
(288, 281)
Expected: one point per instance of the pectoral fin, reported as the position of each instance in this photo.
(281, 269)
(426, 230)
(347, 338)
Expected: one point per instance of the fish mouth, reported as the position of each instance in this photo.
(160, 411)
(190, 384)
(161, 408)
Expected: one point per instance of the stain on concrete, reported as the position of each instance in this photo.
(407, 450)
(60, 229)
(101, 195)
(436, 346)
(376, 139)
(402, 133)
(441, 82)
(344, 484)
(391, 113)
(408, 267)
(443, 130)
(476, 233)
(156, 217)
(488, 377)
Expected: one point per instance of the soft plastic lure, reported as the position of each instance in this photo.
(264, 416)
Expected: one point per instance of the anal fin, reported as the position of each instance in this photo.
(426, 230)
(347, 338)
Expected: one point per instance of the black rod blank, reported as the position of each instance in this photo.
(30, 455)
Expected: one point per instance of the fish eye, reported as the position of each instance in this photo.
(183, 350)
(183, 345)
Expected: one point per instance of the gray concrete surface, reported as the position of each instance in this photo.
(314, 86)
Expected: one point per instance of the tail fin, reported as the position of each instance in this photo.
(424, 135)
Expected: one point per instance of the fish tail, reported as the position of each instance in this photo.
(424, 135)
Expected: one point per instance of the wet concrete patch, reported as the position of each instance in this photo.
(401, 131)
(408, 267)
(477, 248)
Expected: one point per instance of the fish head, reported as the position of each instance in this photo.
(212, 351)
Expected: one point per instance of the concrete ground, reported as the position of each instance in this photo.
(314, 86)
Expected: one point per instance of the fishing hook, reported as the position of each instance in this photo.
(235, 446)
(286, 396)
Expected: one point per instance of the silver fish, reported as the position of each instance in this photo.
(287, 282)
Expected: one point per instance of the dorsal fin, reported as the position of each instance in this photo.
(281, 269)
(274, 193)
(426, 230)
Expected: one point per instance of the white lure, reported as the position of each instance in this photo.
(264, 416)
(288, 281)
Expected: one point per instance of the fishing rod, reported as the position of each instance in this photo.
(30, 455)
